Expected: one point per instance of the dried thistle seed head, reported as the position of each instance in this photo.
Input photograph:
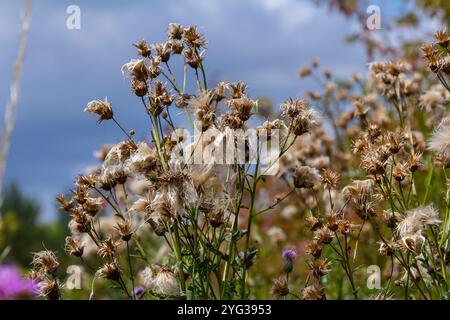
(416, 220)
(323, 235)
(204, 110)
(304, 122)
(374, 160)
(74, 247)
(85, 181)
(356, 77)
(232, 120)
(125, 230)
(107, 182)
(434, 100)
(175, 31)
(220, 90)
(434, 63)
(45, 260)
(360, 145)
(160, 96)
(142, 204)
(442, 39)
(80, 223)
(183, 100)
(342, 94)
(358, 191)
(162, 280)
(319, 267)
(101, 108)
(414, 163)
(144, 49)
(440, 141)
(242, 107)
(314, 248)
(304, 72)
(35, 276)
(313, 223)
(306, 177)
(313, 292)
(144, 160)
(399, 171)
(92, 206)
(109, 271)
(313, 95)
(330, 178)
(119, 176)
(65, 205)
(49, 288)
(345, 227)
(428, 50)
(163, 50)
(292, 108)
(276, 128)
(136, 68)
(390, 218)
(395, 141)
(327, 73)
(238, 90)
(159, 216)
(193, 58)
(332, 219)
(412, 243)
(280, 287)
(108, 247)
(387, 249)
(80, 195)
(155, 68)
(139, 87)
(176, 46)
(193, 37)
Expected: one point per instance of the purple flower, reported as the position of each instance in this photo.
(289, 254)
(138, 291)
(13, 286)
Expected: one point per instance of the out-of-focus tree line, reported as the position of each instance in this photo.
(22, 233)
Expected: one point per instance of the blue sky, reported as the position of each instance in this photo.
(262, 42)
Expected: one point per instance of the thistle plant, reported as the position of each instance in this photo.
(359, 179)
(200, 213)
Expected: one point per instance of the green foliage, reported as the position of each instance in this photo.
(21, 231)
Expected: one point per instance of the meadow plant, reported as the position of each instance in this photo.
(366, 186)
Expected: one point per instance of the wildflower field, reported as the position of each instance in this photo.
(339, 191)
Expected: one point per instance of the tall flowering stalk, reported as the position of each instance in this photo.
(202, 212)
(178, 216)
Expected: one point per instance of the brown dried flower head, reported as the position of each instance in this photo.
(144, 49)
(442, 39)
(280, 287)
(330, 178)
(74, 247)
(46, 260)
(109, 271)
(313, 292)
(101, 108)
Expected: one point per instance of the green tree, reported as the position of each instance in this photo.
(21, 231)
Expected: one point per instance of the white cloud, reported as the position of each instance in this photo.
(291, 13)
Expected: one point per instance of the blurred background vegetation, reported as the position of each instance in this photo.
(22, 232)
